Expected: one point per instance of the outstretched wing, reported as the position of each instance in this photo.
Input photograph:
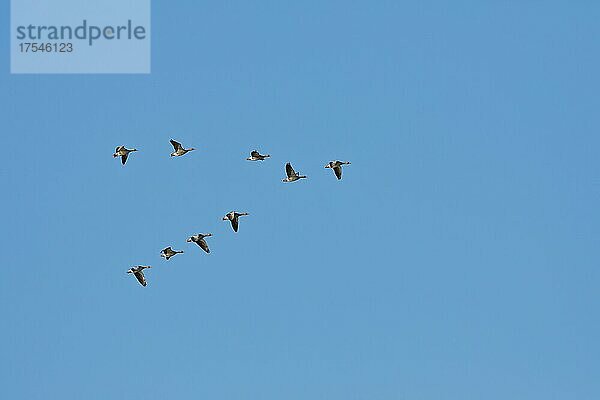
(118, 149)
(254, 153)
(203, 245)
(124, 158)
(338, 172)
(289, 170)
(176, 145)
(140, 277)
(234, 224)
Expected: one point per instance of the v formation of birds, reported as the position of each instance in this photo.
(232, 216)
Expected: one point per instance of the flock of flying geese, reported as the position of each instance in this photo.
(232, 216)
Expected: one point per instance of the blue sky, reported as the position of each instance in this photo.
(457, 259)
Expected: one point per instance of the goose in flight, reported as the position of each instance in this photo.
(234, 216)
(138, 271)
(179, 149)
(199, 240)
(256, 156)
(336, 166)
(123, 152)
(168, 252)
(291, 174)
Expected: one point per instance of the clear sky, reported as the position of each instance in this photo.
(457, 258)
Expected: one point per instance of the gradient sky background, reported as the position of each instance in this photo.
(457, 259)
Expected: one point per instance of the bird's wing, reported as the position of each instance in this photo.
(124, 158)
(118, 148)
(176, 145)
(203, 245)
(289, 170)
(140, 277)
(234, 224)
(254, 153)
(338, 172)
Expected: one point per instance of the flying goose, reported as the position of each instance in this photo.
(138, 271)
(168, 252)
(179, 150)
(336, 166)
(123, 152)
(199, 240)
(256, 156)
(233, 216)
(291, 174)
